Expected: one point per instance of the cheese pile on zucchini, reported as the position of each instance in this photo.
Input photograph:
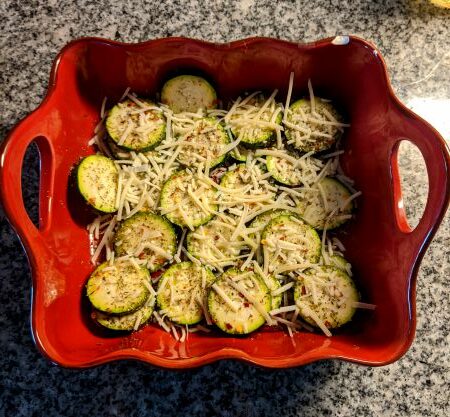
(231, 208)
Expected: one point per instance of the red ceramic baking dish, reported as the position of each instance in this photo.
(383, 249)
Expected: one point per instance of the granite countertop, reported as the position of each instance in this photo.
(412, 35)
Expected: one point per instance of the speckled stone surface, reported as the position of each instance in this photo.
(412, 35)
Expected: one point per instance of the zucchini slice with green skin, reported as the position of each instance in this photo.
(206, 141)
(255, 136)
(188, 93)
(283, 171)
(126, 322)
(261, 221)
(336, 194)
(181, 288)
(340, 262)
(239, 153)
(287, 239)
(235, 178)
(324, 130)
(249, 185)
(135, 128)
(211, 243)
(121, 153)
(119, 288)
(148, 237)
(231, 310)
(186, 200)
(273, 284)
(239, 177)
(326, 296)
(97, 179)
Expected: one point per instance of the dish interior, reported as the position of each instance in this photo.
(351, 75)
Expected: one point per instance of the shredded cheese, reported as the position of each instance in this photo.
(245, 191)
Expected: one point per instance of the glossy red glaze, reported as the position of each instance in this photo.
(384, 251)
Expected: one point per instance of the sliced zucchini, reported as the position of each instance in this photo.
(284, 171)
(187, 200)
(206, 141)
(136, 128)
(181, 290)
(126, 321)
(241, 176)
(237, 300)
(188, 93)
(253, 130)
(273, 284)
(121, 153)
(119, 288)
(336, 194)
(97, 179)
(312, 132)
(261, 221)
(239, 153)
(146, 236)
(249, 188)
(211, 243)
(288, 240)
(326, 297)
(340, 262)
(236, 178)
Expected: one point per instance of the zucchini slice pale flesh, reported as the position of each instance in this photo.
(181, 292)
(283, 171)
(119, 288)
(188, 93)
(187, 201)
(238, 301)
(126, 322)
(121, 153)
(261, 221)
(337, 205)
(254, 134)
(211, 243)
(136, 128)
(310, 132)
(241, 176)
(205, 142)
(97, 179)
(148, 237)
(326, 297)
(287, 239)
(274, 284)
(340, 262)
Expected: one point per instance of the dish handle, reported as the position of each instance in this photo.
(32, 129)
(436, 155)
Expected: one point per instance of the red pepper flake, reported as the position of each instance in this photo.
(228, 326)
(157, 274)
(303, 290)
(246, 304)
